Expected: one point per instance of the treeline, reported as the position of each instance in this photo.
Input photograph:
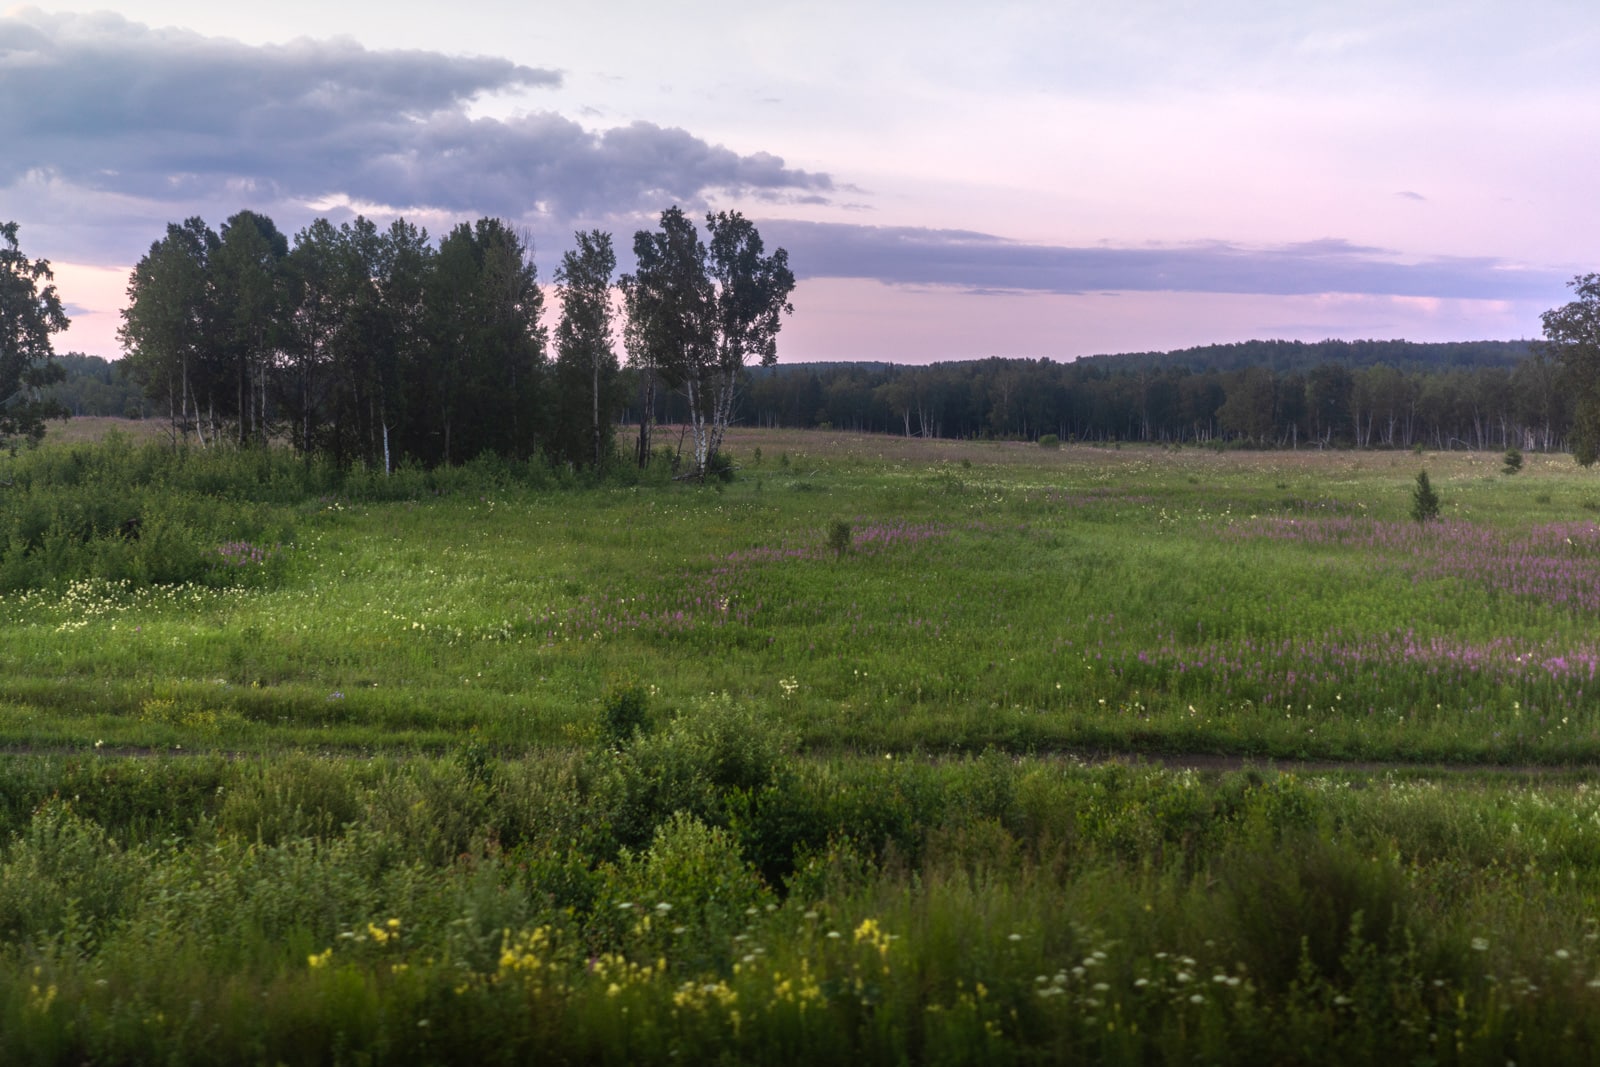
(1484, 394)
(93, 385)
(1288, 356)
(363, 344)
(1510, 395)
(376, 346)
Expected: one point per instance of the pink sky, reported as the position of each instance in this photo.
(1029, 179)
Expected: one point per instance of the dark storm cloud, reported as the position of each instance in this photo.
(113, 106)
(984, 263)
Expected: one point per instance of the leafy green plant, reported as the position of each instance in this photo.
(1050, 442)
(1512, 460)
(691, 889)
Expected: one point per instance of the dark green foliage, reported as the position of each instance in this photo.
(1311, 923)
(1572, 339)
(625, 711)
(1049, 442)
(697, 313)
(1303, 906)
(1513, 461)
(693, 881)
(1424, 501)
(1377, 395)
(586, 365)
(839, 538)
(64, 879)
(30, 311)
(147, 515)
(719, 467)
(91, 385)
(478, 385)
(300, 796)
(385, 344)
(779, 823)
(693, 765)
(150, 514)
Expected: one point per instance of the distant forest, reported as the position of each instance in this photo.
(1263, 394)
(1367, 394)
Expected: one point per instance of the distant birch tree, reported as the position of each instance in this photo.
(585, 358)
(169, 326)
(698, 315)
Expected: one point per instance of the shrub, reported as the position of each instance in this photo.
(1424, 501)
(1303, 904)
(719, 467)
(625, 711)
(440, 808)
(1513, 460)
(1050, 441)
(694, 766)
(779, 823)
(691, 889)
(64, 877)
(295, 797)
(839, 537)
(147, 516)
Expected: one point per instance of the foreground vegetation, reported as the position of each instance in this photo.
(313, 766)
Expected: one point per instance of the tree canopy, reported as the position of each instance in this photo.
(1572, 334)
(699, 314)
(30, 311)
(586, 362)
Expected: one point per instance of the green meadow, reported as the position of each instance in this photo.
(900, 750)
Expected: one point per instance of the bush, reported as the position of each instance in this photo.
(690, 890)
(299, 796)
(719, 467)
(1513, 460)
(1303, 905)
(1050, 442)
(144, 515)
(1424, 501)
(625, 712)
(693, 766)
(440, 808)
(839, 537)
(64, 878)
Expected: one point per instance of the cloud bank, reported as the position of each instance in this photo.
(104, 104)
(985, 263)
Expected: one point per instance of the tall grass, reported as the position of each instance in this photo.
(1096, 601)
(987, 908)
(486, 763)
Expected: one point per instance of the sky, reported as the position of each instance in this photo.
(1038, 178)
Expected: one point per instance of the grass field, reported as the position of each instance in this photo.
(860, 754)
